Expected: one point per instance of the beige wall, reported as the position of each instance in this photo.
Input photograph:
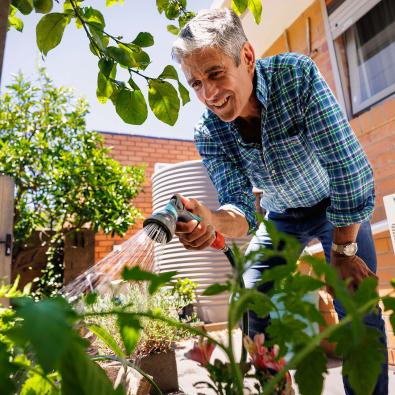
(277, 15)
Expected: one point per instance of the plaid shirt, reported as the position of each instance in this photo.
(308, 152)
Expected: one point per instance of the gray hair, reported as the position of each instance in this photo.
(219, 28)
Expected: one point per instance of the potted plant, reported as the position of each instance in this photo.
(184, 291)
(154, 352)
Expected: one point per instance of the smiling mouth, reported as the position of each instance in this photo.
(221, 104)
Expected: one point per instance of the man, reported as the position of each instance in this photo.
(275, 125)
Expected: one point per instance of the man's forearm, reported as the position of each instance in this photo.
(346, 234)
(229, 223)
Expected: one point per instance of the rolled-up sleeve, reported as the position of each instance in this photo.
(233, 187)
(339, 151)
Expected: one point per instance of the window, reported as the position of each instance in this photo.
(366, 28)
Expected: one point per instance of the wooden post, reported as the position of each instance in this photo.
(6, 225)
(4, 8)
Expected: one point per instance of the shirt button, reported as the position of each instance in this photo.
(273, 172)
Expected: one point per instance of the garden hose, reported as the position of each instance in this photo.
(164, 222)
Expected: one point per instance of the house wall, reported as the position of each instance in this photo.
(375, 129)
(141, 150)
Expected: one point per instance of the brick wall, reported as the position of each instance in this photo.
(133, 150)
(375, 128)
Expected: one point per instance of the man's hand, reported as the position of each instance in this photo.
(196, 235)
(352, 267)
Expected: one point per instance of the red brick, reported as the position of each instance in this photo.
(382, 246)
(388, 107)
(387, 262)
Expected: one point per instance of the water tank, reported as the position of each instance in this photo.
(204, 267)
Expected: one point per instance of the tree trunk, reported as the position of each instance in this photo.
(4, 8)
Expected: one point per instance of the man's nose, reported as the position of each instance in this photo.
(210, 90)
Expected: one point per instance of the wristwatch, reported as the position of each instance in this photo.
(349, 249)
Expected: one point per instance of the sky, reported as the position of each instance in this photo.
(72, 64)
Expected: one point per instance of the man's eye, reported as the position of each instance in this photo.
(216, 74)
(195, 84)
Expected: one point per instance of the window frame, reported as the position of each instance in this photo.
(336, 24)
(351, 49)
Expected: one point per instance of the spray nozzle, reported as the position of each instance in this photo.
(161, 225)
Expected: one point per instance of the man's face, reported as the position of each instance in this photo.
(222, 86)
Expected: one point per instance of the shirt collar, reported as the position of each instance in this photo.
(260, 84)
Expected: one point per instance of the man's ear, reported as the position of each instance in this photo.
(247, 57)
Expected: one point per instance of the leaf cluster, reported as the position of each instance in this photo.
(65, 178)
(116, 52)
(59, 361)
(152, 336)
(294, 317)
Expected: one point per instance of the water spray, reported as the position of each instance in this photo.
(161, 227)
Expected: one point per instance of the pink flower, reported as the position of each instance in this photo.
(201, 352)
(263, 358)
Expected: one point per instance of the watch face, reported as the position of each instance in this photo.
(350, 249)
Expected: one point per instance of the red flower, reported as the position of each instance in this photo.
(201, 352)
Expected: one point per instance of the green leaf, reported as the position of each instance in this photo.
(24, 6)
(122, 55)
(362, 354)
(287, 330)
(172, 10)
(156, 280)
(107, 339)
(36, 384)
(110, 3)
(133, 85)
(239, 6)
(161, 5)
(164, 102)
(14, 21)
(303, 308)
(392, 282)
(255, 6)
(106, 67)
(107, 72)
(251, 299)
(94, 17)
(82, 376)
(215, 289)
(261, 303)
(100, 40)
(141, 60)
(303, 284)
(169, 72)
(131, 106)
(49, 31)
(43, 6)
(310, 372)
(91, 298)
(129, 328)
(68, 7)
(367, 291)
(184, 94)
(51, 317)
(144, 39)
(160, 279)
(173, 29)
(136, 274)
(7, 382)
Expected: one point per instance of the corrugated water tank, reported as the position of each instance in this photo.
(204, 267)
